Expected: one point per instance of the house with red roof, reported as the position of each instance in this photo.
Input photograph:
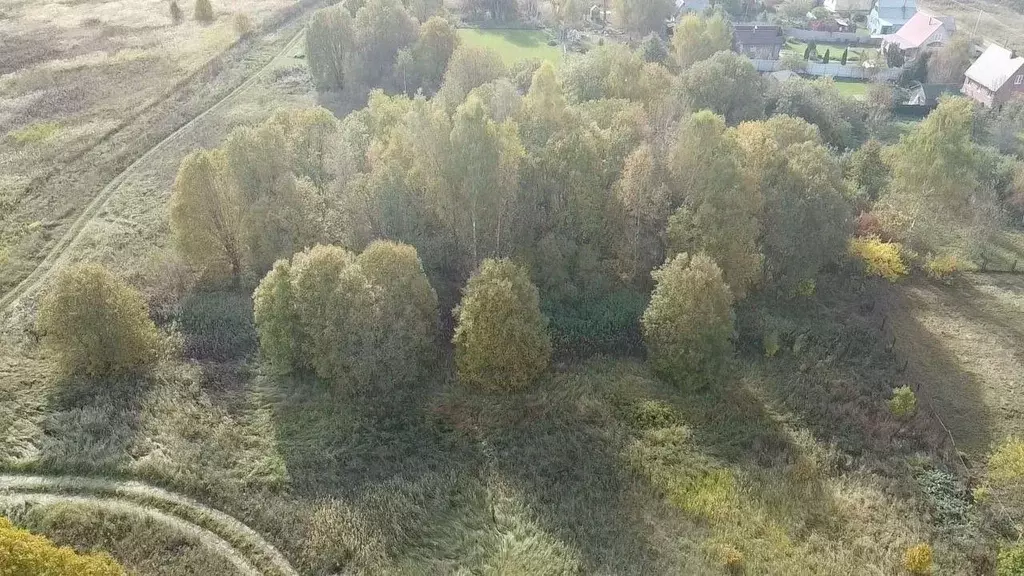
(996, 77)
(922, 31)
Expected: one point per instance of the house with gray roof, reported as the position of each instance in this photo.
(996, 77)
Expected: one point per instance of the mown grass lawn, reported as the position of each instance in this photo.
(513, 45)
(835, 50)
(852, 88)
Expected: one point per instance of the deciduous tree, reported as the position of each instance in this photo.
(726, 84)
(501, 339)
(96, 324)
(330, 42)
(697, 38)
(206, 216)
(641, 17)
(688, 324)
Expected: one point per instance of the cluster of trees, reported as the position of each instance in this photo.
(22, 552)
(366, 318)
(588, 180)
(379, 43)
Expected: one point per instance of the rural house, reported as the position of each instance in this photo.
(922, 31)
(758, 41)
(889, 16)
(852, 7)
(995, 78)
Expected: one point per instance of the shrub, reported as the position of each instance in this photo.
(596, 323)
(732, 561)
(879, 258)
(1006, 465)
(1011, 561)
(96, 324)
(217, 325)
(176, 15)
(243, 25)
(204, 11)
(275, 317)
(918, 559)
(22, 552)
(406, 321)
(346, 317)
(942, 267)
(689, 322)
(903, 403)
(501, 341)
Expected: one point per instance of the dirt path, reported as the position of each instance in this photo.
(241, 545)
(70, 237)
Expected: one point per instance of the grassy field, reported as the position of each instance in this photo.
(794, 467)
(513, 45)
(852, 88)
(108, 83)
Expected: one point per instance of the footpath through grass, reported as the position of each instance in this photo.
(513, 45)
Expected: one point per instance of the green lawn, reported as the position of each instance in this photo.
(836, 50)
(513, 45)
(852, 88)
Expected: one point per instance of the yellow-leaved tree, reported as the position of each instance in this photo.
(501, 339)
(689, 322)
(25, 554)
(96, 324)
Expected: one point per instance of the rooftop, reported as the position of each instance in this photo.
(916, 32)
(995, 66)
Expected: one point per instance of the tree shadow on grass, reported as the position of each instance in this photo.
(558, 448)
(91, 425)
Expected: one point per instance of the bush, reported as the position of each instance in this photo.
(688, 324)
(341, 317)
(942, 267)
(501, 341)
(24, 553)
(406, 319)
(217, 325)
(597, 324)
(203, 12)
(96, 324)
(918, 559)
(243, 25)
(176, 14)
(1011, 561)
(879, 258)
(1006, 465)
(903, 403)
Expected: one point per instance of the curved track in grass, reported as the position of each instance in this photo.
(239, 544)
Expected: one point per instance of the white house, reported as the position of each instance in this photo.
(889, 16)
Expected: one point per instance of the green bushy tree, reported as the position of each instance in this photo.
(96, 324)
(346, 318)
(330, 41)
(641, 17)
(697, 38)
(688, 324)
(203, 11)
(206, 215)
(406, 320)
(727, 84)
(501, 339)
